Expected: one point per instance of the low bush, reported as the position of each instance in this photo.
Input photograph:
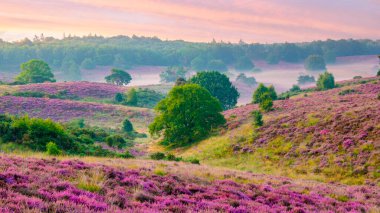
(157, 156)
(52, 149)
(257, 118)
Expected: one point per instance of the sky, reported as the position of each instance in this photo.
(263, 21)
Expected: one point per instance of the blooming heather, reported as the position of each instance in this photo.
(51, 185)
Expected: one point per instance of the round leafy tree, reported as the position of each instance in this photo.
(244, 63)
(315, 62)
(326, 81)
(217, 65)
(35, 71)
(219, 86)
(118, 77)
(186, 115)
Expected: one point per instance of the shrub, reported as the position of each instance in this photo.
(127, 126)
(126, 154)
(378, 73)
(358, 77)
(132, 97)
(266, 103)
(261, 90)
(52, 149)
(171, 74)
(119, 97)
(325, 81)
(246, 80)
(171, 157)
(116, 141)
(157, 156)
(295, 88)
(257, 118)
(347, 92)
(193, 161)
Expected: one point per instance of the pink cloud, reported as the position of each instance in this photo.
(250, 20)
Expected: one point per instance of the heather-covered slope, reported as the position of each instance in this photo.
(330, 136)
(73, 186)
(95, 114)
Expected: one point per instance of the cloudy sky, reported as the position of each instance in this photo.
(264, 21)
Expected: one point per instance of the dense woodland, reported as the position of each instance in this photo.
(123, 52)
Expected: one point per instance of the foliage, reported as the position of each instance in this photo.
(157, 156)
(119, 97)
(216, 65)
(246, 80)
(118, 50)
(117, 141)
(348, 92)
(219, 86)
(132, 97)
(35, 71)
(118, 77)
(186, 115)
(261, 90)
(295, 88)
(315, 62)
(257, 118)
(180, 81)
(126, 154)
(266, 102)
(171, 74)
(326, 81)
(305, 79)
(52, 149)
(127, 125)
(37, 133)
(244, 63)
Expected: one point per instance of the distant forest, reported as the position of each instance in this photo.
(123, 52)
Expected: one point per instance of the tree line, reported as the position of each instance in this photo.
(71, 53)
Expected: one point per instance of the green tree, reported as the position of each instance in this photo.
(244, 63)
(260, 90)
(186, 115)
(266, 103)
(305, 79)
(127, 125)
(257, 118)
(272, 92)
(246, 80)
(326, 81)
(132, 97)
(315, 62)
(217, 65)
(295, 88)
(118, 77)
(180, 81)
(219, 86)
(35, 71)
(71, 71)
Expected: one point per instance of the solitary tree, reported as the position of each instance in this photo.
(257, 118)
(326, 81)
(127, 125)
(315, 62)
(118, 77)
(219, 86)
(35, 71)
(186, 115)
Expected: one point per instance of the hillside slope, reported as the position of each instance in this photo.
(69, 185)
(330, 136)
